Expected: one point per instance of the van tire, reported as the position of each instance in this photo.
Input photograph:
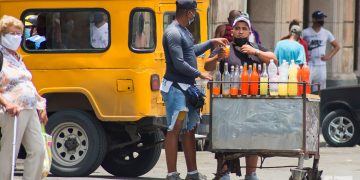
(79, 143)
(127, 165)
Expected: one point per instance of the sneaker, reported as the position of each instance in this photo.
(196, 176)
(175, 176)
(225, 177)
(251, 177)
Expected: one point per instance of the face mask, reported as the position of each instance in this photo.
(192, 19)
(27, 32)
(240, 41)
(321, 23)
(11, 41)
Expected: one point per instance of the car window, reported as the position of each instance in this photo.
(66, 30)
(194, 27)
(142, 30)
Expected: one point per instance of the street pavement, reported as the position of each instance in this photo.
(337, 164)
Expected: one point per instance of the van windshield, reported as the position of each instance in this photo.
(66, 30)
(194, 28)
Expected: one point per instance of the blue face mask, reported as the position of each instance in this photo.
(27, 33)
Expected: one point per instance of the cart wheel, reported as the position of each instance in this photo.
(317, 175)
(305, 178)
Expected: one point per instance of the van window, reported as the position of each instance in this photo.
(194, 27)
(142, 30)
(55, 30)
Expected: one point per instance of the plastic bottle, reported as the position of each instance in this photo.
(254, 78)
(273, 78)
(250, 70)
(283, 73)
(245, 81)
(306, 77)
(299, 78)
(264, 81)
(240, 75)
(259, 69)
(226, 78)
(292, 85)
(234, 90)
(216, 77)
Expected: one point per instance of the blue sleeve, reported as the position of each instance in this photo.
(173, 39)
(301, 59)
(276, 52)
(201, 48)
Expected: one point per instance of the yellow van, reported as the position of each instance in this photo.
(99, 65)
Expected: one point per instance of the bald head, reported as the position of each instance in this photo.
(233, 15)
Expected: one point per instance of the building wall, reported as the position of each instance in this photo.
(271, 18)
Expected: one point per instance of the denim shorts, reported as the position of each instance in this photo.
(175, 102)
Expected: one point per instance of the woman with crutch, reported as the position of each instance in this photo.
(19, 98)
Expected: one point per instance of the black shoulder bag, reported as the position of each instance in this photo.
(194, 97)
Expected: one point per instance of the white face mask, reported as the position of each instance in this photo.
(11, 41)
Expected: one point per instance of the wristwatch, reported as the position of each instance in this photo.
(257, 52)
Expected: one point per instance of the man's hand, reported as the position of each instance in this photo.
(219, 42)
(247, 49)
(43, 116)
(12, 109)
(325, 57)
(205, 75)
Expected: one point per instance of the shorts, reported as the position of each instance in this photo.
(175, 102)
(317, 75)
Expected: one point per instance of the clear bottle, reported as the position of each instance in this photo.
(264, 81)
(226, 80)
(259, 69)
(217, 78)
(292, 85)
(273, 78)
(234, 90)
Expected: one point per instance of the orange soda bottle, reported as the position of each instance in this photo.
(299, 78)
(254, 77)
(306, 77)
(245, 81)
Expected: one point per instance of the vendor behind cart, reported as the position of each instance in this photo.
(241, 51)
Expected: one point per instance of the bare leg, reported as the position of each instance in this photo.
(251, 163)
(188, 141)
(171, 143)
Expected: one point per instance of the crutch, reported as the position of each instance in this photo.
(13, 150)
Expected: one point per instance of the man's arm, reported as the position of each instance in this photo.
(263, 55)
(332, 53)
(173, 39)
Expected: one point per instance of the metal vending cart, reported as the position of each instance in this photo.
(266, 126)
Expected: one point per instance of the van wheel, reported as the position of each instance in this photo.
(340, 129)
(79, 143)
(134, 163)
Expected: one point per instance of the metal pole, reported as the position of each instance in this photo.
(13, 150)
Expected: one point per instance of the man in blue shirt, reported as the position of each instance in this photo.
(290, 49)
(181, 71)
